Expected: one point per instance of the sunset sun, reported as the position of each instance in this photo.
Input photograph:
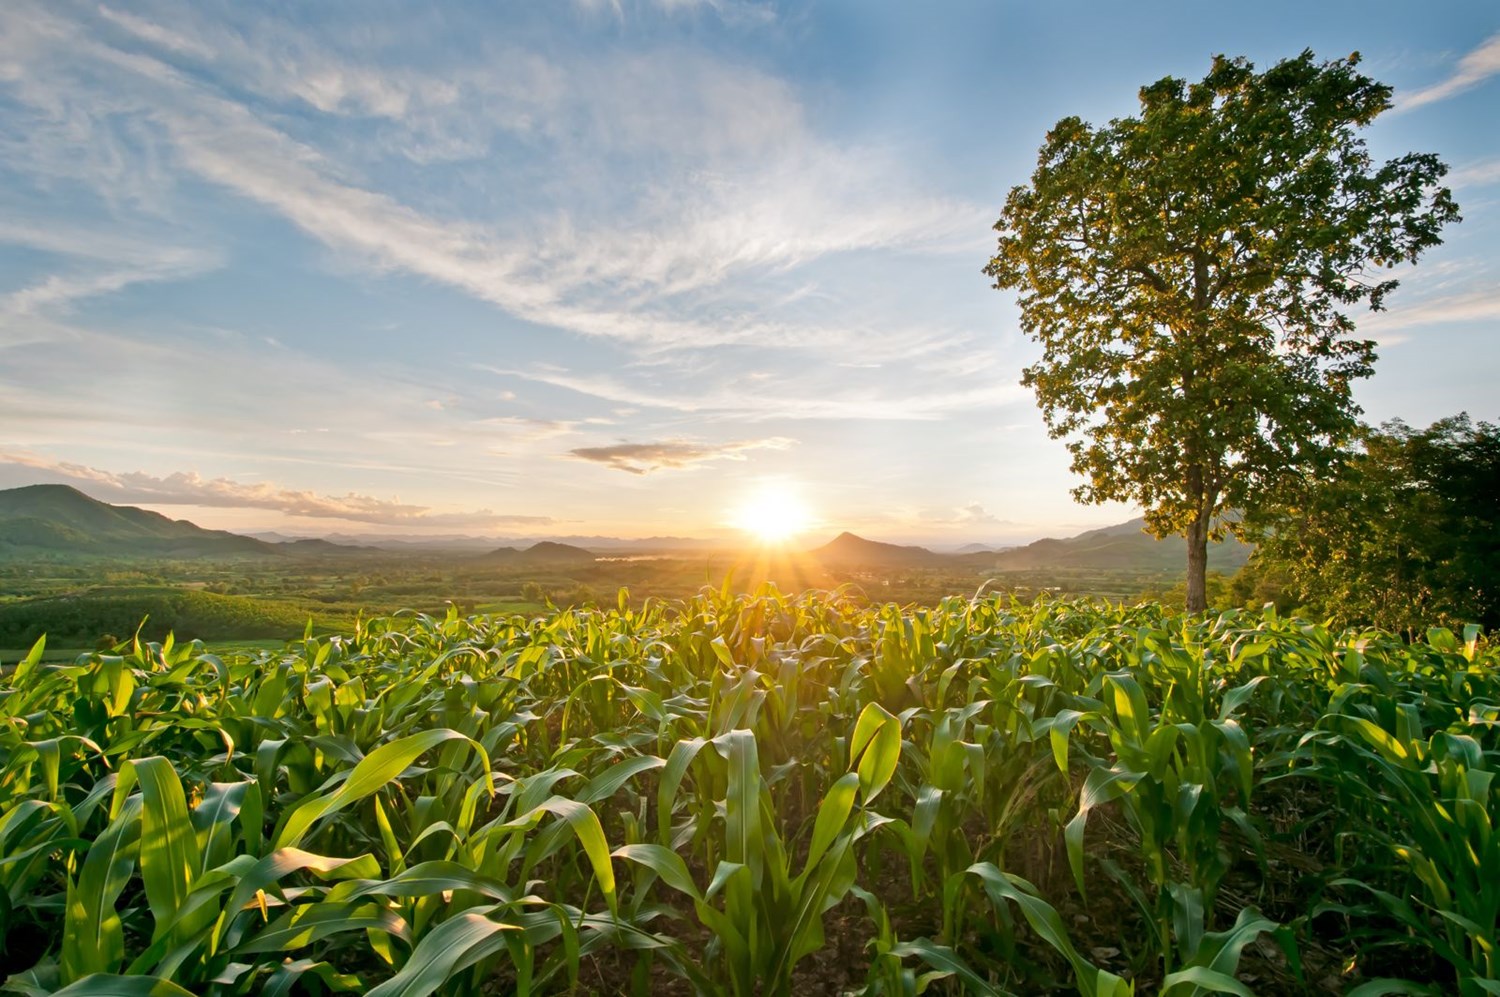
(772, 514)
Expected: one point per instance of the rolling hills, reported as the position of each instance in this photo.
(57, 521)
(546, 553)
(1125, 547)
(60, 523)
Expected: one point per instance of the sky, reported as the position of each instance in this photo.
(607, 267)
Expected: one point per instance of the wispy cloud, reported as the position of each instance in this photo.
(58, 290)
(96, 261)
(643, 458)
(191, 489)
(739, 12)
(738, 181)
(866, 403)
(1473, 69)
(972, 514)
(1477, 174)
(1471, 306)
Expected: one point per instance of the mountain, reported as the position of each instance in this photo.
(314, 547)
(547, 552)
(456, 543)
(54, 521)
(849, 551)
(1122, 547)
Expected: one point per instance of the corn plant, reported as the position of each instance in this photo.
(589, 798)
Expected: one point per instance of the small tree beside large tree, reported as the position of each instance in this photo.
(1188, 273)
(1404, 534)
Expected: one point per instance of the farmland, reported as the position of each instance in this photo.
(759, 793)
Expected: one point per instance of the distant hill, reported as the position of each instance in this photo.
(57, 521)
(453, 543)
(313, 547)
(545, 553)
(1123, 547)
(850, 551)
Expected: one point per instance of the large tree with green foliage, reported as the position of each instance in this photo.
(1403, 533)
(1188, 273)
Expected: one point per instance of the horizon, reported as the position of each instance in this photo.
(612, 269)
(726, 540)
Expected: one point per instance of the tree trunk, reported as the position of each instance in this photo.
(1197, 565)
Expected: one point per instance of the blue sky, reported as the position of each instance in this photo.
(605, 267)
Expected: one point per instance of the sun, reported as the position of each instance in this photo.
(774, 513)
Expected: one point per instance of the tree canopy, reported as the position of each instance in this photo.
(1189, 273)
(1403, 534)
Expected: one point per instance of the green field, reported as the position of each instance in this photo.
(9, 657)
(760, 795)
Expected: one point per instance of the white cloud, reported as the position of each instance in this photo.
(1473, 69)
(98, 260)
(734, 180)
(736, 12)
(57, 290)
(284, 63)
(1477, 174)
(1472, 306)
(158, 34)
(974, 513)
(866, 403)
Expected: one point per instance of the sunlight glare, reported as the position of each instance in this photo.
(773, 514)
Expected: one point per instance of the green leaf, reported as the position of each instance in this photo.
(105, 985)
(590, 833)
(664, 862)
(946, 961)
(425, 879)
(213, 818)
(1099, 787)
(1046, 922)
(681, 756)
(876, 744)
(169, 855)
(742, 801)
(271, 869)
(446, 951)
(1203, 978)
(380, 767)
(93, 939)
(608, 782)
(1383, 987)
(833, 815)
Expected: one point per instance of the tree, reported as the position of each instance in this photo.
(1188, 274)
(1404, 533)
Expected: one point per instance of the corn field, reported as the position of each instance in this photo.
(759, 795)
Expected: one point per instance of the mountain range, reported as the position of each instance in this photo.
(1123, 547)
(56, 522)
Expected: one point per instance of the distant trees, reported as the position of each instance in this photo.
(92, 618)
(1188, 274)
(1405, 533)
